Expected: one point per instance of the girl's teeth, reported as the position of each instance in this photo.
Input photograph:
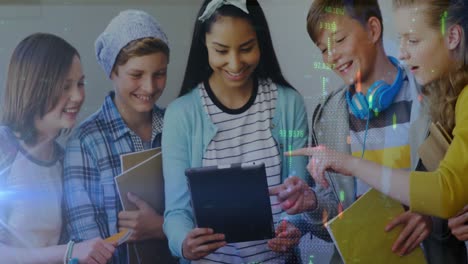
(74, 110)
(146, 98)
(235, 74)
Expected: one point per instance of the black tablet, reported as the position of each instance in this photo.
(232, 200)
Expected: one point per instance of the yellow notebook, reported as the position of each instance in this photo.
(120, 237)
(359, 231)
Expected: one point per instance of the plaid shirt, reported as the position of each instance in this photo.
(92, 160)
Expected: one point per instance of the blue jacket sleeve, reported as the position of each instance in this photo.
(178, 217)
(294, 135)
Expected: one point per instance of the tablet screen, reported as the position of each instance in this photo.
(232, 200)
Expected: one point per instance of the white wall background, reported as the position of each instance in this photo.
(80, 24)
(81, 21)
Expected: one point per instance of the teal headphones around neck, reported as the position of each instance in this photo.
(378, 98)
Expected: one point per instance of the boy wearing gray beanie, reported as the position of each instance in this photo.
(133, 51)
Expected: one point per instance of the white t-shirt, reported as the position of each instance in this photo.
(33, 216)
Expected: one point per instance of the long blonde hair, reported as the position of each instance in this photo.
(36, 75)
(442, 93)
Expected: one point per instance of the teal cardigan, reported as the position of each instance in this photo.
(186, 134)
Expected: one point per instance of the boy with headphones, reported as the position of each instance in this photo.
(372, 116)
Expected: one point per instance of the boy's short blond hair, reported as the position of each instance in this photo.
(360, 10)
(138, 48)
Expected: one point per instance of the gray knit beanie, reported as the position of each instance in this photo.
(129, 25)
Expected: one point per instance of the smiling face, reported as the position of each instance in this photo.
(233, 52)
(422, 47)
(348, 48)
(139, 83)
(64, 114)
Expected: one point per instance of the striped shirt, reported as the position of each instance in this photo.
(387, 141)
(244, 136)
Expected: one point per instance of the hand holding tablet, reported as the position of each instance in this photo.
(201, 242)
